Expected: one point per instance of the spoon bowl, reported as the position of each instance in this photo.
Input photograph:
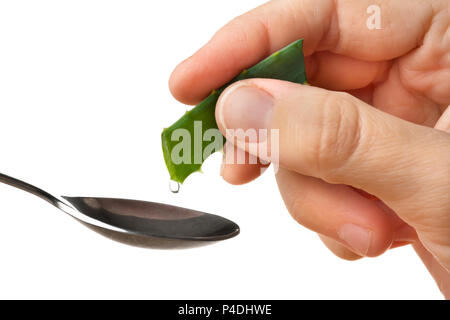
(139, 223)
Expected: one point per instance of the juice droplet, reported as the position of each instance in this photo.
(174, 186)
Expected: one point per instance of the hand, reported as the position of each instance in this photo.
(361, 166)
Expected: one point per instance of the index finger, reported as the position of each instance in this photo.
(326, 25)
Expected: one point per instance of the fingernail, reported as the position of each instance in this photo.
(358, 238)
(245, 107)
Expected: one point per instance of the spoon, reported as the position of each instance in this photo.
(139, 223)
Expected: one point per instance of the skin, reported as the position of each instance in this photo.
(397, 85)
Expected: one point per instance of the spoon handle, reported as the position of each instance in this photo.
(29, 188)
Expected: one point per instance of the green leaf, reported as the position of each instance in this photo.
(286, 64)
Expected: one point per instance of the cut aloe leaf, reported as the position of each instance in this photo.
(184, 149)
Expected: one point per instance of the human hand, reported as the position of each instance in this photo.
(333, 145)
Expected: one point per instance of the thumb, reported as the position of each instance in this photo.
(342, 140)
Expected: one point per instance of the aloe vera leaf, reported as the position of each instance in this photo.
(286, 64)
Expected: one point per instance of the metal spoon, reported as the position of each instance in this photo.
(139, 223)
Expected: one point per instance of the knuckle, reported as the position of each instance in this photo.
(339, 134)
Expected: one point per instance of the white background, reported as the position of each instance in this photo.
(83, 100)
